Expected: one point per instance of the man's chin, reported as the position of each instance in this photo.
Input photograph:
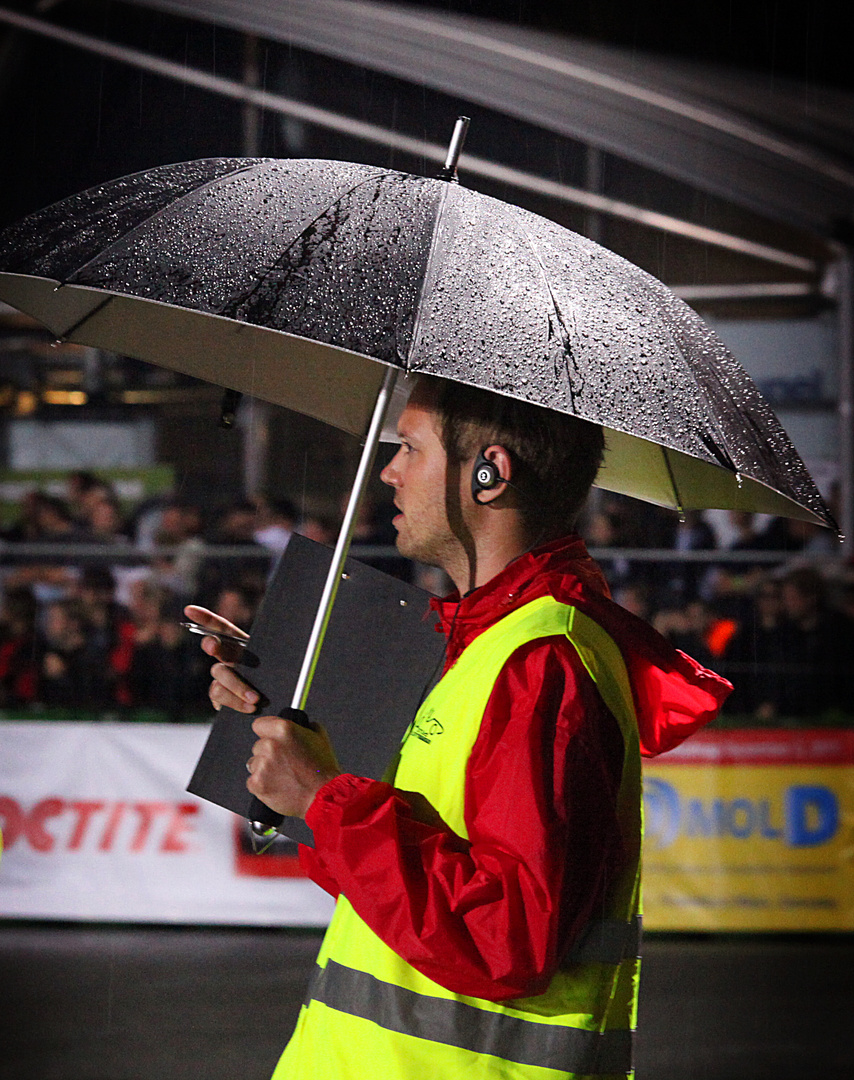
(410, 549)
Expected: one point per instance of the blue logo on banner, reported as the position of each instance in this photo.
(809, 816)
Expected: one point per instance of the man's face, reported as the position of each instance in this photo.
(419, 475)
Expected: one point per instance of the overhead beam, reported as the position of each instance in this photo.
(752, 290)
(474, 166)
(679, 121)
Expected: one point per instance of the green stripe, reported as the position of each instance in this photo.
(443, 1020)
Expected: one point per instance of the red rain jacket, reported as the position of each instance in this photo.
(492, 917)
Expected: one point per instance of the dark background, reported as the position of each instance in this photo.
(69, 119)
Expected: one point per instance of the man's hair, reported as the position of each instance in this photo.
(555, 457)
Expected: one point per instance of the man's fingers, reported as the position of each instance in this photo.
(211, 621)
(226, 651)
(271, 727)
(229, 689)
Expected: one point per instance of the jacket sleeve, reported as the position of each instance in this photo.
(490, 916)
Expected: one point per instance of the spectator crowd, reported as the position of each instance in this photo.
(96, 634)
(99, 635)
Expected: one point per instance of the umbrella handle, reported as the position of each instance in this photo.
(261, 817)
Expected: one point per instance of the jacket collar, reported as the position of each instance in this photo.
(557, 564)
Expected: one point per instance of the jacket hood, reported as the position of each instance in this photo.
(674, 696)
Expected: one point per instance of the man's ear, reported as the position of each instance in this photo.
(491, 473)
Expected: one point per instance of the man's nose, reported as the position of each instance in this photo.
(389, 475)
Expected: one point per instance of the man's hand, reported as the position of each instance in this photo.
(227, 687)
(289, 764)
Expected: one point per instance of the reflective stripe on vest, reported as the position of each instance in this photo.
(403, 1023)
(455, 1023)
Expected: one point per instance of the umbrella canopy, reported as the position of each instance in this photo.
(289, 280)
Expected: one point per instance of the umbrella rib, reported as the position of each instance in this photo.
(567, 341)
(428, 270)
(677, 498)
(65, 335)
(159, 213)
(236, 302)
(715, 421)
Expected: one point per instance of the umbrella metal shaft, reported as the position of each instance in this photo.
(333, 578)
(449, 170)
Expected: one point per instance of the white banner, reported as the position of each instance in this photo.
(97, 825)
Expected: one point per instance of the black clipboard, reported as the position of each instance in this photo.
(381, 654)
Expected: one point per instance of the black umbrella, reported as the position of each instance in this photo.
(289, 279)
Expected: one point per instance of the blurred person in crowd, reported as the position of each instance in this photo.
(235, 527)
(681, 582)
(636, 599)
(624, 523)
(110, 631)
(697, 630)
(166, 673)
(145, 602)
(55, 523)
(50, 523)
(603, 531)
(236, 524)
(322, 528)
(180, 529)
(146, 520)
(241, 604)
(818, 649)
(730, 585)
(746, 533)
(83, 489)
(69, 660)
(26, 527)
(18, 667)
(276, 521)
(105, 521)
(754, 659)
(46, 518)
(789, 534)
(689, 531)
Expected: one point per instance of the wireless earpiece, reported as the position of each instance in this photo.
(484, 476)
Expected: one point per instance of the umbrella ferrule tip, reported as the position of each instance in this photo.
(449, 169)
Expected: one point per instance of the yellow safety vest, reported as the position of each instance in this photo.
(371, 1014)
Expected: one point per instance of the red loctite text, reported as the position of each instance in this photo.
(57, 824)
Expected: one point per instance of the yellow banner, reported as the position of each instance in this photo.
(751, 830)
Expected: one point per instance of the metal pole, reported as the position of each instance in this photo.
(254, 421)
(593, 183)
(251, 112)
(333, 578)
(846, 398)
(752, 290)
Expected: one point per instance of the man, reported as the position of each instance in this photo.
(488, 894)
